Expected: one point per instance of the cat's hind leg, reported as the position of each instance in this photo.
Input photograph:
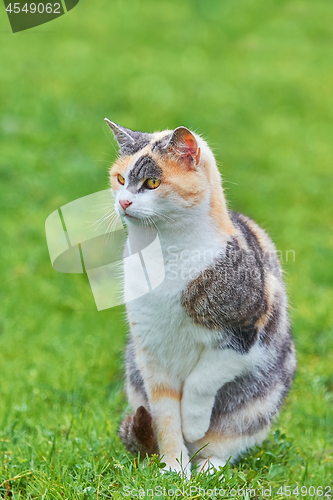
(238, 422)
(218, 448)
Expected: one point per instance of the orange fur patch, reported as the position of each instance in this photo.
(270, 290)
(218, 205)
(168, 441)
(162, 391)
(219, 212)
(163, 430)
(213, 437)
(119, 167)
(241, 241)
(190, 185)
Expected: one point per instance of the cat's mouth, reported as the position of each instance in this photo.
(131, 216)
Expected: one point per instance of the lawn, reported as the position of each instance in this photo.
(255, 79)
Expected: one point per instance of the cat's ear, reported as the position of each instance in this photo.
(129, 141)
(184, 145)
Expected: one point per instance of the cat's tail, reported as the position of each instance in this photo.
(137, 433)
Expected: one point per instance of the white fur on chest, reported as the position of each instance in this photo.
(158, 318)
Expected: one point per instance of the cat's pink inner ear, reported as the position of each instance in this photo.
(184, 144)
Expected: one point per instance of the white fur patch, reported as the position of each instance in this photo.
(214, 369)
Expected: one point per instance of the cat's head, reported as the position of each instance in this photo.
(164, 177)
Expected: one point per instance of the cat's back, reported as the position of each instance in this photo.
(252, 238)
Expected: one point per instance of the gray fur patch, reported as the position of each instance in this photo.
(161, 144)
(240, 393)
(273, 325)
(229, 296)
(257, 384)
(144, 168)
(132, 372)
(139, 141)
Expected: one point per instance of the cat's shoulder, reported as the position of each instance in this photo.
(239, 290)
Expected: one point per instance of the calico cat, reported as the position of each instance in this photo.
(210, 356)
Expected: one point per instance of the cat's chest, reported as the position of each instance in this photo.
(158, 318)
(162, 326)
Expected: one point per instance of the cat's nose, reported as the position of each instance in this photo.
(125, 204)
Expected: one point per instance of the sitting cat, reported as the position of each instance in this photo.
(210, 356)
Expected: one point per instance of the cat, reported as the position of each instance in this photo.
(210, 356)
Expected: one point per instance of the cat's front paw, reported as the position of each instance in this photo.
(193, 433)
(195, 423)
(171, 465)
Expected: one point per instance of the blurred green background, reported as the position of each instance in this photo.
(253, 77)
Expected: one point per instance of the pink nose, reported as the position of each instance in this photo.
(124, 204)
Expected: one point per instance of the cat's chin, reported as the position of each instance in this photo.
(128, 216)
(131, 220)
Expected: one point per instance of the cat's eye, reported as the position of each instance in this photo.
(153, 183)
(121, 179)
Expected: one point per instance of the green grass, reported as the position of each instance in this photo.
(255, 78)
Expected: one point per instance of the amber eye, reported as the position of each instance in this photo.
(153, 183)
(121, 179)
